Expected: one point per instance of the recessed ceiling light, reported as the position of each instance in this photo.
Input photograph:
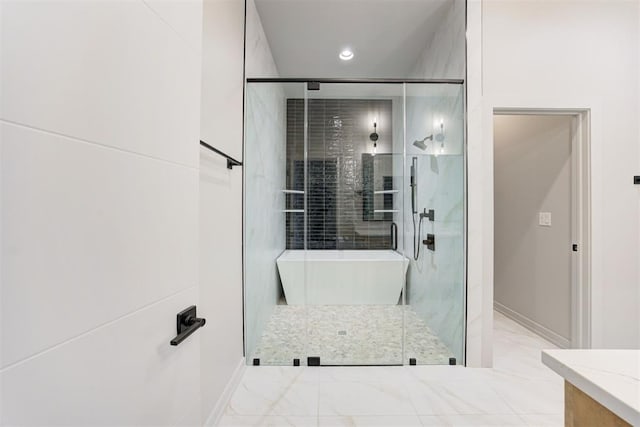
(346, 55)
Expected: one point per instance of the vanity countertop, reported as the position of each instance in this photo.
(610, 377)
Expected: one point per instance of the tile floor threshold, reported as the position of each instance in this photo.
(517, 391)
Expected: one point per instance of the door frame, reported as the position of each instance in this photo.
(581, 289)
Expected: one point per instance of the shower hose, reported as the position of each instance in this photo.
(416, 243)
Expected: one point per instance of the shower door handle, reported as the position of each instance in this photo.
(394, 236)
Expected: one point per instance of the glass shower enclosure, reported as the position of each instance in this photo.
(354, 223)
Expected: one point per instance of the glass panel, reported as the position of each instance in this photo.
(355, 271)
(435, 182)
(354, 223)
(273, 225)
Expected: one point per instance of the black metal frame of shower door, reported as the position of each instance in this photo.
(336, 80)
(316, 82)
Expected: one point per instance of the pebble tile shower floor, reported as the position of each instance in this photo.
(347, 335)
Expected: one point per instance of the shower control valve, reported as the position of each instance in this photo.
(430, 215)
(430, 242)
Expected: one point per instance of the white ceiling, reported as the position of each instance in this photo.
(386, 36)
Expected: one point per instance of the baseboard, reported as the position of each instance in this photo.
(214, 417)
(533, 326)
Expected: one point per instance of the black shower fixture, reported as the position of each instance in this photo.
(421, 143)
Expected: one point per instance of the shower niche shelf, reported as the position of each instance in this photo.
(293, 193)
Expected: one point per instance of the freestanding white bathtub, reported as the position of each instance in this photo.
(328, 277)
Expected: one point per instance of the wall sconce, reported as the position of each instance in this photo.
(438, 130)
(374, 137)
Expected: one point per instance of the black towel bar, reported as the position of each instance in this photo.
(231, 162)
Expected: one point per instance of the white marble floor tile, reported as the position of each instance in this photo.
(503, 420)
(276, 391)
(439, 373)
(366, 421)
(531, 396)
(543, 420)
(518, 391)
(456, 397)
(364, 398)
(267, 421)
(378, 374)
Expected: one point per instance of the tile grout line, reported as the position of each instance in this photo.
(97, 144)
(98, 327)
(408, 377)
(318, 406)
(178, 33)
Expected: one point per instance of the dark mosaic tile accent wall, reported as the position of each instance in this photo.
(338, 138)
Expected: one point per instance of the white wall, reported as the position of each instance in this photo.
(564, 54)
(99, 123)
(443, 56)
(532, 265)
(221, 204)
(221, 192)
(479, 201)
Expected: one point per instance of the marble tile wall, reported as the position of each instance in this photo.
(264, 169)
(265, 153)
(443, 57)
(435, 282)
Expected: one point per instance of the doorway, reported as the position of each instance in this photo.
(541, 222)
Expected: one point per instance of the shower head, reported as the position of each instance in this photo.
(421, 143)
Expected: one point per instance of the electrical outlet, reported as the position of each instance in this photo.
(544, 219)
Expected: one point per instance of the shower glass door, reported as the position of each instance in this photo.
(355, 267)
(354, 223)
(274, 171)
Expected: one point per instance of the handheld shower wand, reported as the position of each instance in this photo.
(414, 183)
(414, 209)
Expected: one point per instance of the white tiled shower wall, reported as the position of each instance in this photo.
(265, 155)
(436, 281)
(264, 203)
(100, 117)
